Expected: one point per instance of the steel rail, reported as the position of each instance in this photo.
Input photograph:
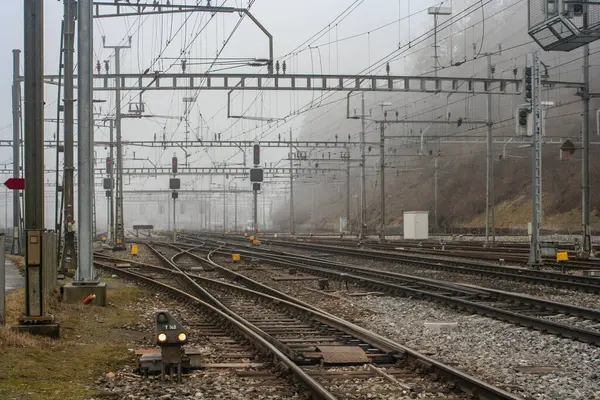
(319, 391)
(467, 383)
(553, 279)
(563, 330)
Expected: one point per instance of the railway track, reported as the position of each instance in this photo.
(344, 360)
(231, 338)
(561, 319)
(428, 262)
(515, 253)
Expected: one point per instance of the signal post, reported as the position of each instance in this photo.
(256, 177)
(174, 185)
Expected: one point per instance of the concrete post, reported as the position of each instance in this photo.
(85, 137)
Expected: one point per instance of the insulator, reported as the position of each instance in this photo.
(283, 67)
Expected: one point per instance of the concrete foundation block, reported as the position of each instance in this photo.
(49, 330)
(439, 327)
(76, 293)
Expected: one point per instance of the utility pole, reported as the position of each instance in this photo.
(16, 120)
(489, 190)
(255, 213)
(347, 189)
(174, 218)
(535, 259)
(292, 214)
(168, 215)
(210, 205)
(382, 178)
(120, 223)
(435, 194)
(69, 259)
(85, 137)
(111, 200)
(35, 310)
(585, 159)
(363, 173)
(224, 206)
(235, 224)
(264, 212)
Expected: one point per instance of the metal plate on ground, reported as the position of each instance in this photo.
(343, 355)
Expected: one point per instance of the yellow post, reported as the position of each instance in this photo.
(562, 256)
(134, 250)
(251, 238)
(245, 234)
(235, 257)
(104, 238)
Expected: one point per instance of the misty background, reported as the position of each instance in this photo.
(316, 37)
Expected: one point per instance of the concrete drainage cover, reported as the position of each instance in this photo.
(343, 355)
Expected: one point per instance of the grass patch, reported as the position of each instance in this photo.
(18, 261)
(40, 368)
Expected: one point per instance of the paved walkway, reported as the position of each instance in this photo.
(14, 280)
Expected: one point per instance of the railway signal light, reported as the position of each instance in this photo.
(174, 165)
(528, 84)
(109, 169)
(170, 336)
(523, 120)
(256, 154)
(523, 117)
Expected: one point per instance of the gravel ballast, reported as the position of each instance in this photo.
(490, 349)
(528, 363)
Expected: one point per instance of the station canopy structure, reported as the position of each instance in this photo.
(564, 25)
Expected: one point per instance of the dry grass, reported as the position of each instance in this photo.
(18, 261)
(11, 338)
(40, 368)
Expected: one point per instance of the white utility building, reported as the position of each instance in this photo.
(416, 224)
